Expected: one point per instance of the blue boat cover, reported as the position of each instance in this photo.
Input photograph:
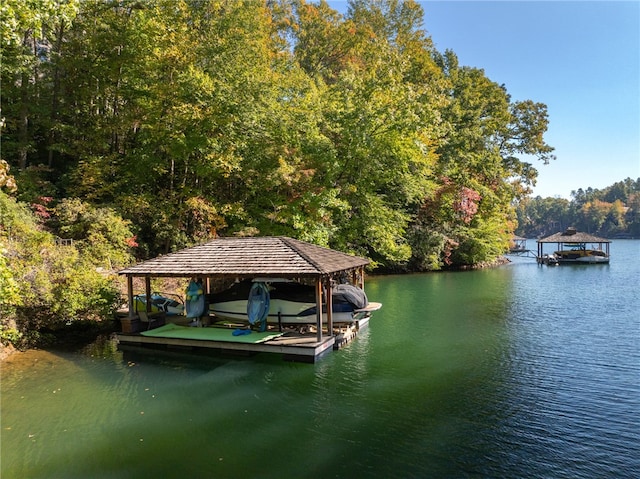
(258, 305)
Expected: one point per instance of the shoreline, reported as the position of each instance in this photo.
(70, 338)
(6, 351)
(85, 332)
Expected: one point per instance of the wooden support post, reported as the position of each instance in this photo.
(329, 293)
(319, 310)
(539, 253)
(147, 291)
(130, 297)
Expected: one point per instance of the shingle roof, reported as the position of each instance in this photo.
(256, 256)
(572, 236)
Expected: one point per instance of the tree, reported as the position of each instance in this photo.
(192, 119)
(324, 42)
(378, 113)
(544, 216)
(479, 175)
(588, 210)
(32, 33)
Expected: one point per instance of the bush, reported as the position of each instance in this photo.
(43, 284)
(100, 233)
(10, 335)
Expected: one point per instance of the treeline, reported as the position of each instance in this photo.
(192, 118)
(611, 212)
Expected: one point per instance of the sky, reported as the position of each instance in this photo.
(580, 58)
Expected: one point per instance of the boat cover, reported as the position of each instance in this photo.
(258, 304)
(343, 294)
(350, 294)
(196, 304)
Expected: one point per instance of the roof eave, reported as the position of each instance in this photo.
(299, 259)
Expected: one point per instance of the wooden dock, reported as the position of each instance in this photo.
(293, 345)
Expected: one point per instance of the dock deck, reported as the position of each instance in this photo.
(292, 345)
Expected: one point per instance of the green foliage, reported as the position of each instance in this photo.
(77, 291)
(31, 33)
(10, 335)
(9, 289)
(100, 233)
(487, 240)
(192, 119)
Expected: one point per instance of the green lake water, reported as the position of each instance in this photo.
(522, 371)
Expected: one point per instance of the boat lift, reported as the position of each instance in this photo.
(547, 259)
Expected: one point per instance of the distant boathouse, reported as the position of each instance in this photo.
(573, 246)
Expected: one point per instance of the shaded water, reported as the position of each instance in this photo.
(520, 371)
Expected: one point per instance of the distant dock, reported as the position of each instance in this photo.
(571, 248)
(574, 247)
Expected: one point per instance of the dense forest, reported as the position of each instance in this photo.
(135, 128)
(613, 212)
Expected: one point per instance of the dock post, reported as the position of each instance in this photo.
(319, 310)
(130, 297)
(147, 291)
(329, 292)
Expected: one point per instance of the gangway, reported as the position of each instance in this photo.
(526, 253)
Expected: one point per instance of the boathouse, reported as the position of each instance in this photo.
(250, 258)
(572, 246)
